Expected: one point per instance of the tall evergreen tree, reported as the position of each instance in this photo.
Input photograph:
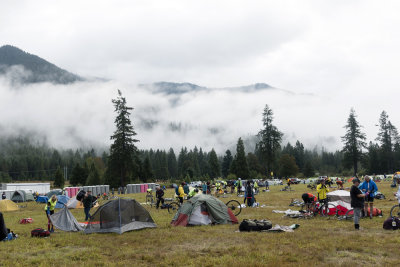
(172, 164)
(239, 164)
(354, 142)
(226, 163)
(78, 175)
(59, 179)
(94, 176)
(288, 166)
(123, 150)
(388, 137)
(270, 139)
(214, 165)
(147, 171)
(308, 169)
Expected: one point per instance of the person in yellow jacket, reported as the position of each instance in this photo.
(181, 193)
(49, 209)
(255, 187)
(322, 190)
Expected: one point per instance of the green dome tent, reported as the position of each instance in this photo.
(203, 210)
(22, 196)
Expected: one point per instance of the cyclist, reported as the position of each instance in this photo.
(217, 188)
(357, 202)
(181, 193)
(256, 187)
(159, 196)
(339, 183)
(249, 194)
(310, 200)
(192, 193)
(322, 197)
(149, 192)
(369, 188)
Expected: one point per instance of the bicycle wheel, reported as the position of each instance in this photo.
(324, 210)
(395, 211)
(349, 214)
(234, 206)
(173, 207)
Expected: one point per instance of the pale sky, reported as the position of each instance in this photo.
(344, 53)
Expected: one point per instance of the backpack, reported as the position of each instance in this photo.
(39, 232)
(391, 223)
(177, 191)
(254, 225)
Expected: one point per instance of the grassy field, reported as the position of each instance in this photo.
(317, 241)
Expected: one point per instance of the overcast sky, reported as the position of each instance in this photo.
(344, 53)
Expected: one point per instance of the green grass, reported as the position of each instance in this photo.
(318, 241)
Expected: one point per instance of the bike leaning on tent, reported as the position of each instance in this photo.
(233, 205)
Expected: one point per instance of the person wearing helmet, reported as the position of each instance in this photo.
(159, 196)
(192, 193)
(322, 191)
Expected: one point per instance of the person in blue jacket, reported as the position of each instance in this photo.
(369, 188)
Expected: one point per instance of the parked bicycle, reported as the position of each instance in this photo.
(395, 211)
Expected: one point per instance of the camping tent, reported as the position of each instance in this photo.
(118, 216)
(341, 199)
(65, 221)
(8, 205)
(61, 201)
(73, 203)
(42, 199)
(54, 192)
(22, 196)
(203, 210)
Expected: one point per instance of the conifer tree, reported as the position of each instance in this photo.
(59, 179)
(226, 163)
(123, 152)
(270, 139)
(239, 164)
(94, 176)
(354, 142)
(214, 165)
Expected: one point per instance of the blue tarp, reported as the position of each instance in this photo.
(61, 201)
(42, 199)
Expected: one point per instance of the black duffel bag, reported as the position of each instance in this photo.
(254, 225)
(80, 195)
(391, 223)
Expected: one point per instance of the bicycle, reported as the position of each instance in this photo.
(395, 211)
(323, 210)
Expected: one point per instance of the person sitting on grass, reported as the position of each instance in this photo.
(357, 202)
(159, 196)
(369, 188)
(309, 200)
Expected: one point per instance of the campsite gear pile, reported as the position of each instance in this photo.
(254, 225)
(203, 210)
(296, 202)
(379, 195)
(39, 232)
(391, 223)
(26, 221)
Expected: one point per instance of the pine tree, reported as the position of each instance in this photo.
(172, 164)
(270, 139)
(147, 171)
(59, 179)
(239, 164)
(354, 142)
(214, 165)
(78, 175)
(226, 163)
(94, 176)
(308, 169)
(288, 166)
(388, 137)
(121, 162)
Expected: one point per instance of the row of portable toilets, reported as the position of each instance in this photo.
(139, 188)
(96, 189)
(101, 189)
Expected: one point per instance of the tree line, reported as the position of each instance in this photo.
(21, 159)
